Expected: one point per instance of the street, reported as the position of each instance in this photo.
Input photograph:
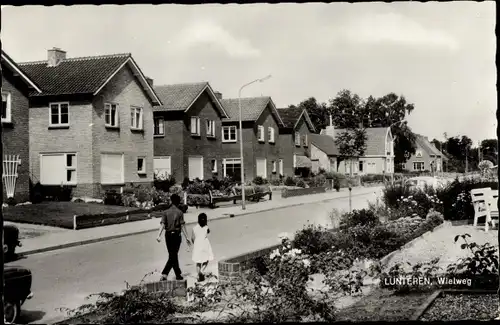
(63, 278)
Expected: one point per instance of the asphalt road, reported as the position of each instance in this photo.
(63, 278)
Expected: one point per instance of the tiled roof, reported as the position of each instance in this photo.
(428, 146)
(290, 115)
(325, 143)
(74, 75)
(7, 60)
(178, 97)
(302, 162)
(251, 108)
(375, 141)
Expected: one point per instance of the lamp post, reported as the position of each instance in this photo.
(241, 139)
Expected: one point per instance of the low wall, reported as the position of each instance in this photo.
(285, 193)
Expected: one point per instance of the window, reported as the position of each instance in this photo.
(418, 165)
(162, 166)
(297, 139)
(210, 129)
(136, 118)
(270, 131)
(214, 165)
(418, 153)
(360, 166)
(304, 140)
(274, 166)
(59, 114)
(159, 126)
(195, 125)
(141, 165)
(229, 134)
(58, 169)
(260, 133)
(281, 167)
(112, 169)
(232, 168)
(111, 115)
(6, 108)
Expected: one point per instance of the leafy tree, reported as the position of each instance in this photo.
(317, 112)
(351, 143)
(489, 150)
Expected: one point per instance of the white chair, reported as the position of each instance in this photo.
(492, 209)
(480, 197)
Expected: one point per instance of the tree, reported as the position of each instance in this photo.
(351, 143)
(462, 155)
(317, 112)
(489, 150)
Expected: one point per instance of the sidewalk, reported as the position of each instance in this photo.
(69, 238)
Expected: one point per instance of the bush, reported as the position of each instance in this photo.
(300, 183)
(111, 197)
(435, 218)
(371, 178)
(198, 187)
(198, 200)
(290, 181)
(359, 217)
(313, 239)
(259, 180)
(317, 181)
(163, 183)
(185, 183)
(393, 193)
(276, 182)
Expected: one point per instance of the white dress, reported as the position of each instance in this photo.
(202, 250)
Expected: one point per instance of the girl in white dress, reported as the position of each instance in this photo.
(202, 250)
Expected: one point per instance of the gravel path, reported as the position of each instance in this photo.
(441, 244)
(453, 307)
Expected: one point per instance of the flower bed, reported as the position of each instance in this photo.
(285, 193)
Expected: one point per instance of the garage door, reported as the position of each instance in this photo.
(163, 166)
(261, 167)
(371, 168)
(195, 167)
(112, 168)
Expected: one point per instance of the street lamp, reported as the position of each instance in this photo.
(387, 134)
(241, 140)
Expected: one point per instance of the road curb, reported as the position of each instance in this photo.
(224, 216)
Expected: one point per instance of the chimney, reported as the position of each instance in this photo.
(218, 95)
(330, 129)
(150, 81)
(55, 56)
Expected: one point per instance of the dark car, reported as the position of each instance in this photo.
(17, 290)
(11, 241)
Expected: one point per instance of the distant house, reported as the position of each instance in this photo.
(188, 131)
(16, 86)
(426, 157)
(261, 122)
(91, 127)
(294, 141)
(378, 157)
(324, 153)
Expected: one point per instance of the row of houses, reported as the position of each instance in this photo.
(96, 123)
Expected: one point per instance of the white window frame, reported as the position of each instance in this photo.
(270, 131)
(156, 171)
(160, 121)
(67, 168)
(194, 127)
(59, 104)
(418, 154)
(108, 109)
(210, 129)
(304, 140)
(265, 167)
(213, 162)
(233, 160)
(229, 128)
(419, 162)
(143, 171)
(274, 166)
(297, 139)
(122, 180)
(134, 124)
(8, 108)
(281, 167)
(260, 133)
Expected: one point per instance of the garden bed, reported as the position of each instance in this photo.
(462, 305)
(58, 214)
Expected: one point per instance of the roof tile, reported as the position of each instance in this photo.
(375, 140)
(251, 108)
(290, 115)
(325, 143)
(178, 97)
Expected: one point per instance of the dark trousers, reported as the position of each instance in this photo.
(173, 240)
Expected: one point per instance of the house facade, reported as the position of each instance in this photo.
(261, 153)
(188, 132)
(426, 157)
(295, 140)
(91, 128)
(324, 153)
(16, 87)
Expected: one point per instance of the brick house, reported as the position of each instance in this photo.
(92, 126)
(426, 157)
(294, 140)
(261, 122)
(16, 86)
(187, 131)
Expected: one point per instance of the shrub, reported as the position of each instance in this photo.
(393, 193)
(259, 180)
(425, 272)
(371, 178)
(290, 181)
(36, 192)
(275, 182)
(359, 217)
(300, 183)
(313, 239)
(198, 187)
(198, 200)
(111, 197)
(185, 183)
(435, 218)
(317, 181)
(163, 183)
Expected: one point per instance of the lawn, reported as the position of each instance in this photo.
(453, 307)
(56, 214)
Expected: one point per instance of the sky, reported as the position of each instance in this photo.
(440, 56)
